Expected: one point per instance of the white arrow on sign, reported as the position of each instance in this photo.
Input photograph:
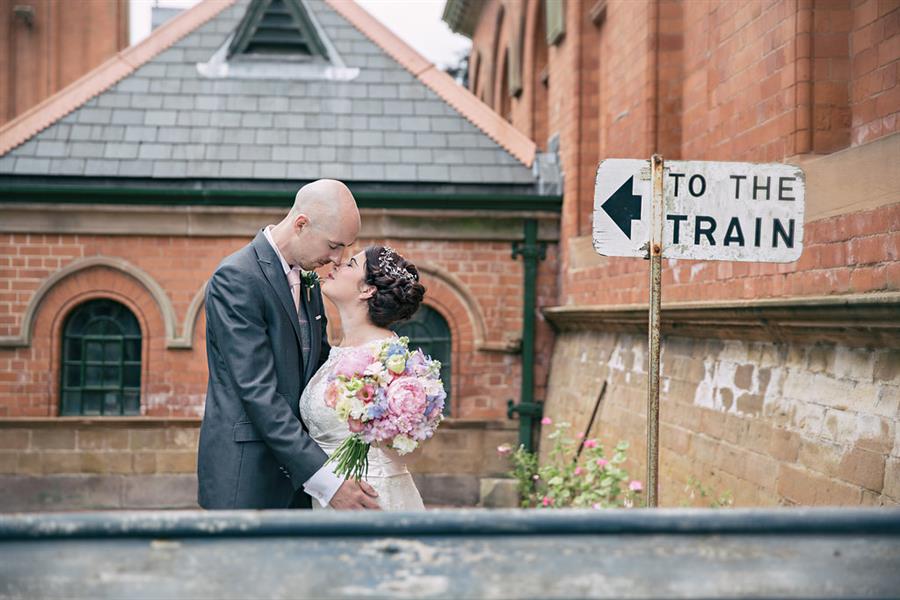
(713, 210)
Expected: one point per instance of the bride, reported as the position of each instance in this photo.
(371, 291)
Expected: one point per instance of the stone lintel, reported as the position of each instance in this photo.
(225, 221)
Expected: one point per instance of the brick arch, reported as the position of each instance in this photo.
(445, 288)
(61, 299)
(125, 268)
(442, 298)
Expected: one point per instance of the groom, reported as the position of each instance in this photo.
(265, 338)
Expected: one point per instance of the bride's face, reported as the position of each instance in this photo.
(346, 283)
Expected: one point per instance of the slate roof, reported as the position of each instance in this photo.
(167, 121)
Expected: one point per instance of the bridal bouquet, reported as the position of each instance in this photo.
(389, 396)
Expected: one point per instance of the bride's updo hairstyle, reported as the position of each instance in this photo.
(398, 292)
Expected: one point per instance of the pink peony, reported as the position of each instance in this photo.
(354, 362)
(635, 486)
(602, 462)
(366, 393)
(332, 394)
(546, 421)
(590, 443)
(406, 396)
(578, 470)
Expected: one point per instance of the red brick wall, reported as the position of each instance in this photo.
(174, 380)
(852, 253)
(874, 69)
(66, 40)
(755, 81)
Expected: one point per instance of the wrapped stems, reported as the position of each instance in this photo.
(351, 458)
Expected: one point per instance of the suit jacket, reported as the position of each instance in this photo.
(255, 451)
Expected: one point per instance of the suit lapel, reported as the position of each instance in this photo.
(271, 268)
(313, 309)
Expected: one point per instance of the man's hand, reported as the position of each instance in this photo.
(355, 495)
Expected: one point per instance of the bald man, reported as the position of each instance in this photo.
(265, 338)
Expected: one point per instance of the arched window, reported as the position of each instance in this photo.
(428, 330)
(101, 361)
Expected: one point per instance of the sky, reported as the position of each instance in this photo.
(417, 22)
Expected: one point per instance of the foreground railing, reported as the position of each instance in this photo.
(795, 553)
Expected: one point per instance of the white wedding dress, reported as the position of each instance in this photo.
(387, 470)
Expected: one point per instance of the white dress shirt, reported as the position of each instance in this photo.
(324, 484)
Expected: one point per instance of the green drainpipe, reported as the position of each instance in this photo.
(528, 410)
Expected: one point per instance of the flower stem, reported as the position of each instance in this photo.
(351, 458)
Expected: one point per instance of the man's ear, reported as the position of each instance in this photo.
(300, 221)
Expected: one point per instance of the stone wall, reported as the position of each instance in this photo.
(770, 423)
(134, 463)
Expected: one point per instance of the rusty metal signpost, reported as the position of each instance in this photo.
(700, 210)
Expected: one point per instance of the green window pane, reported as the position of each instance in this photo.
(73, 349)
(91, 403)
(112, 351)
(71, 403)
(102, 360)
(131, 404)
(93, 376)
(94, 351)
(111, 377)
(132, 350)
(111, 403)
(131, 376)
(73, 376)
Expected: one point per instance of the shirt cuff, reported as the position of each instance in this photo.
(323, 485)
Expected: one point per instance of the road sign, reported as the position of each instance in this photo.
(697, 210)
(712, 210)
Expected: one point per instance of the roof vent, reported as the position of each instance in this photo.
(276, 28)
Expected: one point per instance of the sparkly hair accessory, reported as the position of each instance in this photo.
(387, 265)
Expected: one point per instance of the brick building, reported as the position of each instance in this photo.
(48, 44)
(780, 383)
(122, 192)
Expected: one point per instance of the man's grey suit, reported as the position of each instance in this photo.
(255, 451)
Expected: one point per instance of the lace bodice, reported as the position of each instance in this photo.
(387, 470)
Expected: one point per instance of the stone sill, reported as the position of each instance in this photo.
(858, 320)
(165, 422)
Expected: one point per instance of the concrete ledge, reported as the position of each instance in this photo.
(855, 320)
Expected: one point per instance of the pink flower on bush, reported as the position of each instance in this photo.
(578, 470)
(590, 443)
(546, 421)
(406, 396)
(580, 435)
(602, 462)
(547, 501)
(354, 362)
(366, 393)
(597, 506)
(504, 450)
(635, 486)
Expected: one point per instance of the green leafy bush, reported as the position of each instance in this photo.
(591, 481)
